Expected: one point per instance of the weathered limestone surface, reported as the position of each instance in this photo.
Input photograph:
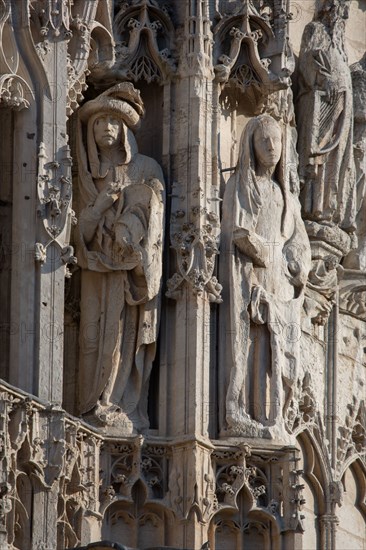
(183, 274)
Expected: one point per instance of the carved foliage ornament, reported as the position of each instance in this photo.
(302, 410)
(271, 481)
(196, 243)
(54, 193)
(233, 472)
(352, 434)
(45, 453)
(131, 465)
(14, 90)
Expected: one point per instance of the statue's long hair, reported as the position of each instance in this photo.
(248, 189)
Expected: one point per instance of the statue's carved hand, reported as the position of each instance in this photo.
(297, 275)
(252, 245)
(125, 246)
(259, 305)
(294, 267)
(124, 240)
(106, 198)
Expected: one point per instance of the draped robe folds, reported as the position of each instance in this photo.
(325, 145)
(120, 292)
(262, 298)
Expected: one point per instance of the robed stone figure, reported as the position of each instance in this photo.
(325, 120)
(120, 236)
(265, 261)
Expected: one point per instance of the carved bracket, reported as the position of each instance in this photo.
(145, 49)
(255, 38)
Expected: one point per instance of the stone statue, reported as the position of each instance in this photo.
(266, 258)
(356, 259)
(120, 240)
(325, 120)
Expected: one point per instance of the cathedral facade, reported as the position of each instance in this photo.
(183, 274)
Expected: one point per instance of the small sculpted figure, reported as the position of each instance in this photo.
(325, 120)
(120, 235)
(266, 259)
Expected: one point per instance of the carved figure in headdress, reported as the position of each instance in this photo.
(325, 119)
(120, 237)
(266, 258)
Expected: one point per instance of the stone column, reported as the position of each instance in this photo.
(194, 226)
(54, 45)
(193, 233)
(43, 178)
(328, 528)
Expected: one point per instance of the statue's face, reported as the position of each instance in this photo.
(335, 9)
(267, 143)
(107, 131)
(344, 10)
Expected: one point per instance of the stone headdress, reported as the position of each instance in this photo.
(122, 101)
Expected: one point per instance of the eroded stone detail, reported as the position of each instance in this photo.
(352, 433)
(325, 137)
(54, 193)
(302, 411)
(196, 243)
